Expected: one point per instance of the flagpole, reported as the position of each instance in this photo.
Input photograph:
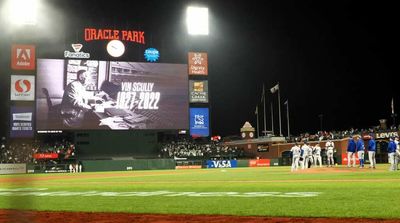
(287, 114)
(272, 119)
(258, 130)
(279, 108)
(265, 119)
(393, 114)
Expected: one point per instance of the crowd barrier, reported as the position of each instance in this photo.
(136, 164)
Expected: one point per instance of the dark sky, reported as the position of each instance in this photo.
(335, 58)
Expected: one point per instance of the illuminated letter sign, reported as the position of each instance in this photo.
(199, 123)
(21, 122)
(110, 34)
(198, 63)
(77, 54)
(198, 91)
(151, 54)
(23, 57)
(22, 88)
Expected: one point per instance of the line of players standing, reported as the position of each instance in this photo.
(302, 156)
(356, 145)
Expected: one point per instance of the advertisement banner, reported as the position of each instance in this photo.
(39, 156)
(344, 159)
(189, 167)
(386, 135)
(198, 91)
(23, 57)
(198, 63)
(22, 88)
(12, 168)
(260, 163)
(21, 122)
(115, 95)
(199, 122)
(221, 163)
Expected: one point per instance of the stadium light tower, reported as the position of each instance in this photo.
(197, 20)
(22, 12)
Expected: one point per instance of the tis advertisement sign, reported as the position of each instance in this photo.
(21, 121)
(22, 88)
(198, 91)
(221, 163)
(198, 63)
(199, 122)
(23, 57)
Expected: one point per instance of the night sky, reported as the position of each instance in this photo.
(335, 58)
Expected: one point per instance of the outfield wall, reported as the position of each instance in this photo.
(104, 144)
(127, 165)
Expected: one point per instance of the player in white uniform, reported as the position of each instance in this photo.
(317, 155)
(305, 156)
(309, 157)
(397, 153)
(295, 157)
(330, 146)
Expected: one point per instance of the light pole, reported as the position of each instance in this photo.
(321, 116)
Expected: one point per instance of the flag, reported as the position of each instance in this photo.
(392, 106)
(256, 112)
(275, 88)
(262, 94)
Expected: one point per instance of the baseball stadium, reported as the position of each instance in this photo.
(115, 119)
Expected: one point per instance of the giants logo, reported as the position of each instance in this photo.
(23, 57)
(22, 86)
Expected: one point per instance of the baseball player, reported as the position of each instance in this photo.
(317, 155)
(360, 150)
(305, 149)
(397, 153)
(330, 146)
(351, 150)
(372, 152)
(391, 153)
(295, 157)
(309, 157)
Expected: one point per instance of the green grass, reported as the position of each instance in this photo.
(367, 193)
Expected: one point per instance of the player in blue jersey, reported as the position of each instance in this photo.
(372, 152)
(351, 150)
(360, 150)
(391, 154)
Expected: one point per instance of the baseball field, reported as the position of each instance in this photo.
(336, 193)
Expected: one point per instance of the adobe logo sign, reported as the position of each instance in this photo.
(23, 57)
(22, 88)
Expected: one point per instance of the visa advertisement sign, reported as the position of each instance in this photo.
(221, 163)
(199, 122)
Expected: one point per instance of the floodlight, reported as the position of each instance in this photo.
(197, 20)
(23, 12)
